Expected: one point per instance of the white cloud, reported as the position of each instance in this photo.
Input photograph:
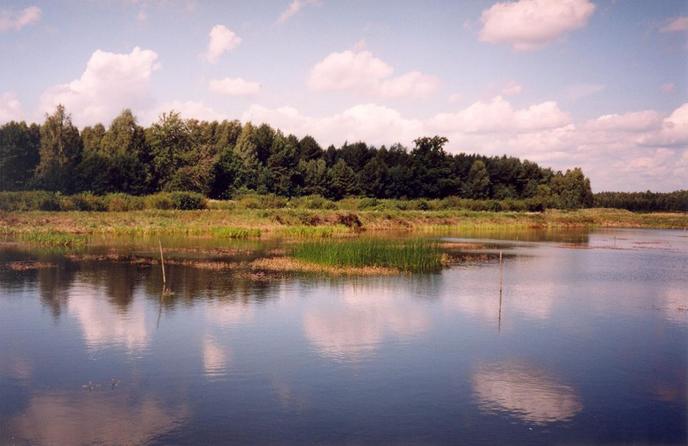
(531, 24)
(512, 88)
(677, 24)
(294, 7)
(234, 86)
(10, 107)
(360, 71)
(16, 20)
(498, 115)
(673, 132)
(627, 122)
(579, 91)
(221, 40)
(375, 124)
(110, 83)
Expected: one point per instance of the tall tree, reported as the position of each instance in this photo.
(342, 180)
(60, 152)
(478, 182)
(169, 140)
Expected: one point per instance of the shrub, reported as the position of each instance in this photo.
(312, 202)
(88, 202)
(257, 201)
(122, 202)
(161, 200)
(188, 200)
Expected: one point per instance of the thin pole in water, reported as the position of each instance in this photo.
(501, 281)
(162, 264)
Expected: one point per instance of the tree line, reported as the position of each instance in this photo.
(643, 201)
(223, 159)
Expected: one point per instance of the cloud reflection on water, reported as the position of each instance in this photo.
(99, 417)
(355, 320)
(525, 392)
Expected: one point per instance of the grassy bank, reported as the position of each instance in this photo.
(310, 224)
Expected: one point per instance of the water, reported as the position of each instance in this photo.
(588, 345)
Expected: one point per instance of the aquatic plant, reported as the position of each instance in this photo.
(409, 256)
(236, 233)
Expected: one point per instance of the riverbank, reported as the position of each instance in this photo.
(307, 224)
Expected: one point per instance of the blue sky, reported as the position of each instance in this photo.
(591, 83)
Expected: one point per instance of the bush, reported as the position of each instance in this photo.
(161, 200)
(188, 200)
(312, 202)
(258, 201)
(122, 202)
(88, 202)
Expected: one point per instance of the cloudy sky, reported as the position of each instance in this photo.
(600, 84)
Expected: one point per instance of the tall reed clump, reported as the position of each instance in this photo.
(407, 256)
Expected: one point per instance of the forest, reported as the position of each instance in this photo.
(225, 159)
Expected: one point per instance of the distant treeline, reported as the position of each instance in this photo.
(225, 159)
(643, 201)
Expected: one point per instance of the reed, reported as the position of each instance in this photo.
(412, 256)
(235, 232)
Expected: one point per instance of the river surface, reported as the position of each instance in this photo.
(587, 345)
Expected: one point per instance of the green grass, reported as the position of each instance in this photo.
(53, 239)
(411, 256)
(236, 233)
(301, 231)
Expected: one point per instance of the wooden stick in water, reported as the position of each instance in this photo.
(162, 264)
(501, 281)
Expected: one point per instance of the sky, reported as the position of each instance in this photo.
(600, 84)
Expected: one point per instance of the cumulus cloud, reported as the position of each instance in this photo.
(531, 24)
(294, 7)
(221, 40)
(673, 131)
(627, 122)
(110, 83)
(674, 25)
(360, 71)
(16, 20)
(10, 107)
(234, 86)
(498, 115)
(372, 123)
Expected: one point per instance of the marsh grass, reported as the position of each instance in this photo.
(236, 233)
(53, 239)
(409, 256)
(312, 232)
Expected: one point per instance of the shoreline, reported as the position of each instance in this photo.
(309, 224)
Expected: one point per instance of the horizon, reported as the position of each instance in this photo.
(530, 93)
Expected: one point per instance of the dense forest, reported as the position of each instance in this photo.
(223, 159)
(643, 201)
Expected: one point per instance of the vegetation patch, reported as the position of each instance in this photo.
(53, 239)
(236, 233)
(413, 256)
